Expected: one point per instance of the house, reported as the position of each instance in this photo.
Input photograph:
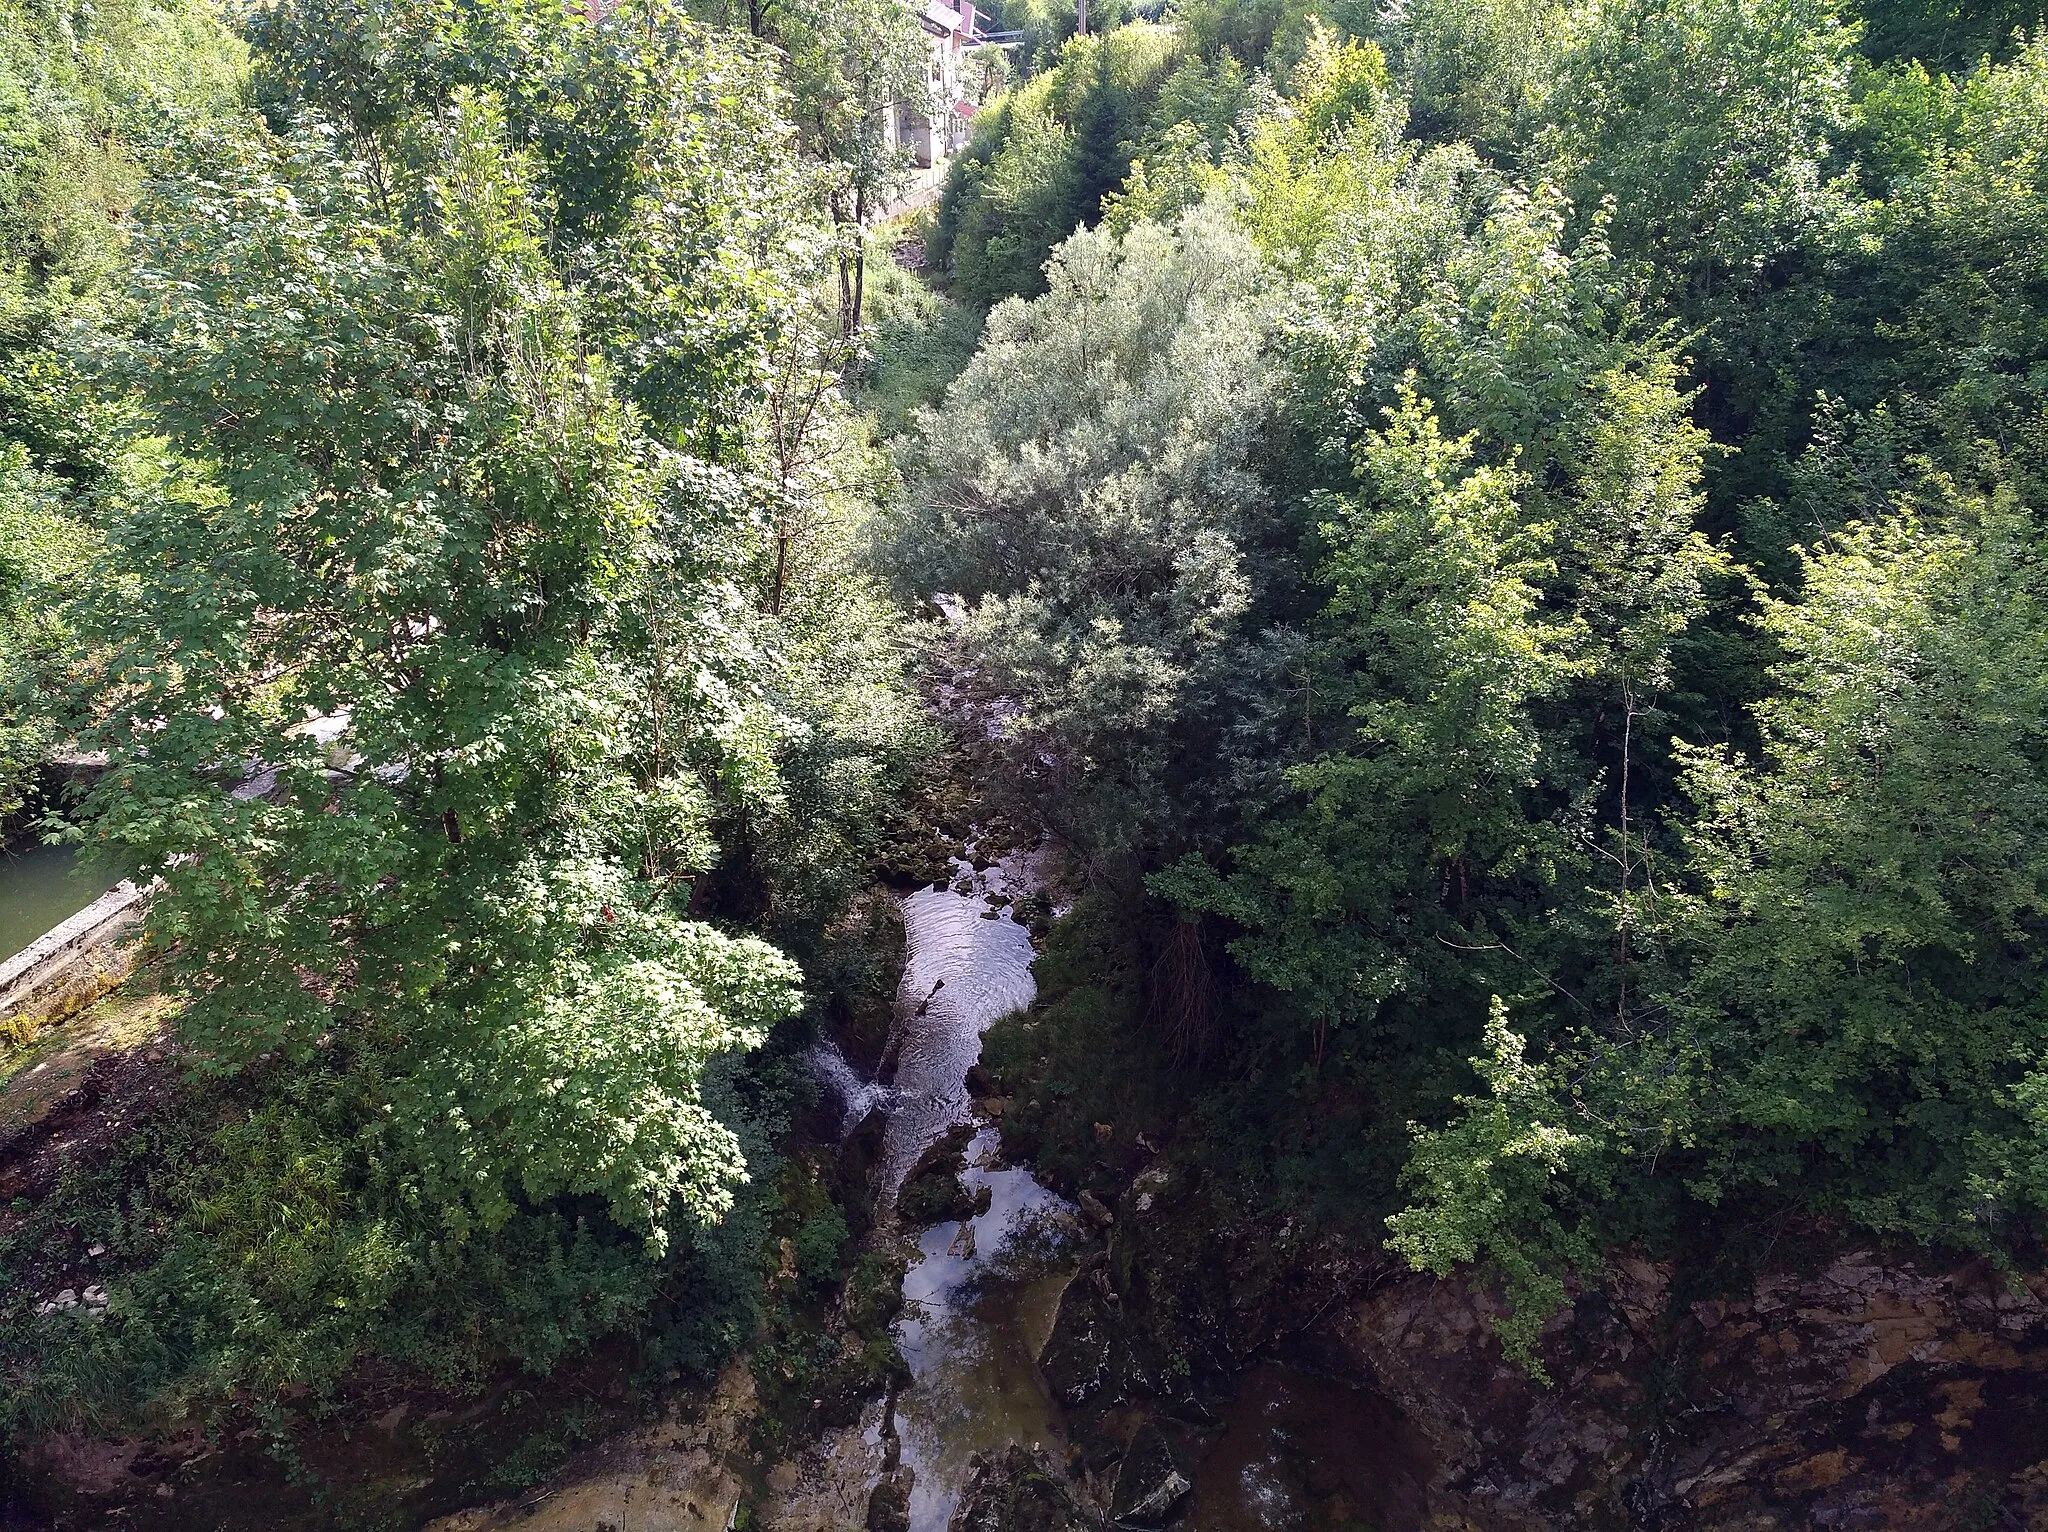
(936, 128)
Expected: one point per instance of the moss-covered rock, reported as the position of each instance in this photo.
(934, 1191)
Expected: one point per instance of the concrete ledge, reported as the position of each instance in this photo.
(74, 961)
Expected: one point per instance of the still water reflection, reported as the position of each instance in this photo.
(40, 886)
(980, 1300)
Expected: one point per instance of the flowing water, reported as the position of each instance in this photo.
(980, 1303)
(979, 1295)
(856, 1097)
(967, 966)
(1296, 1451)
(40, 886)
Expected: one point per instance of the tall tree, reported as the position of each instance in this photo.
(414, 691)
(854, 66)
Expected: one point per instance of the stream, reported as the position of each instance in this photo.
(1295, 1450)
(980, 1294)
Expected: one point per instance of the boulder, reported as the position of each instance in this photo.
(889, 1504)
(1019, 1490)
(1150, 1482)
(933, 1191)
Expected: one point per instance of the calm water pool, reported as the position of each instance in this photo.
(40, 886)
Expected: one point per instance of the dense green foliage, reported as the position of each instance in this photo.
(1093, 515)
(90, 102)
(1540, 642)
(425, 569)
(1505, 539)
(466, 594)
(274, 1248)
(1044, 157)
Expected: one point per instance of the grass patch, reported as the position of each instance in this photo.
(917, 342)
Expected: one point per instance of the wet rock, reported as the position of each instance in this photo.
(864, 1140)
(933, 1191)
(1076, 1362)
(1097, 1210)
(1150, 1482)
(853, 1167)
(1020, 1491)
(889, 1505)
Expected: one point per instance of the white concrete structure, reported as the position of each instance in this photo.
(75, 962)
(936, 129)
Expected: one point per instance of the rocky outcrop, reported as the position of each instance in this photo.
(1837, 1387)
(1020, 1491)
(1087, 1339)
(1858, 1392)
(683, 1473)
(1151, 1481)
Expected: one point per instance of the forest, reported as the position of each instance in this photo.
(1497, 545)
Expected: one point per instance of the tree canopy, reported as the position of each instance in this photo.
(1596, 797)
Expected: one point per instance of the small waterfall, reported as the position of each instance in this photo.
(980, 1293)
(856, 1097)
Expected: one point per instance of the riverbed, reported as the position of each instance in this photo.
(979, 1294)
(1294, 1450)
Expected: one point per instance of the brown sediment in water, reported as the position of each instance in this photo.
(1303, 1453)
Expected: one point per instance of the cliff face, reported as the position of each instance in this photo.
(1862, 1393)
(1839, 1389)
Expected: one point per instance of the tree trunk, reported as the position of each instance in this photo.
(860, 263)
(1181, 994)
